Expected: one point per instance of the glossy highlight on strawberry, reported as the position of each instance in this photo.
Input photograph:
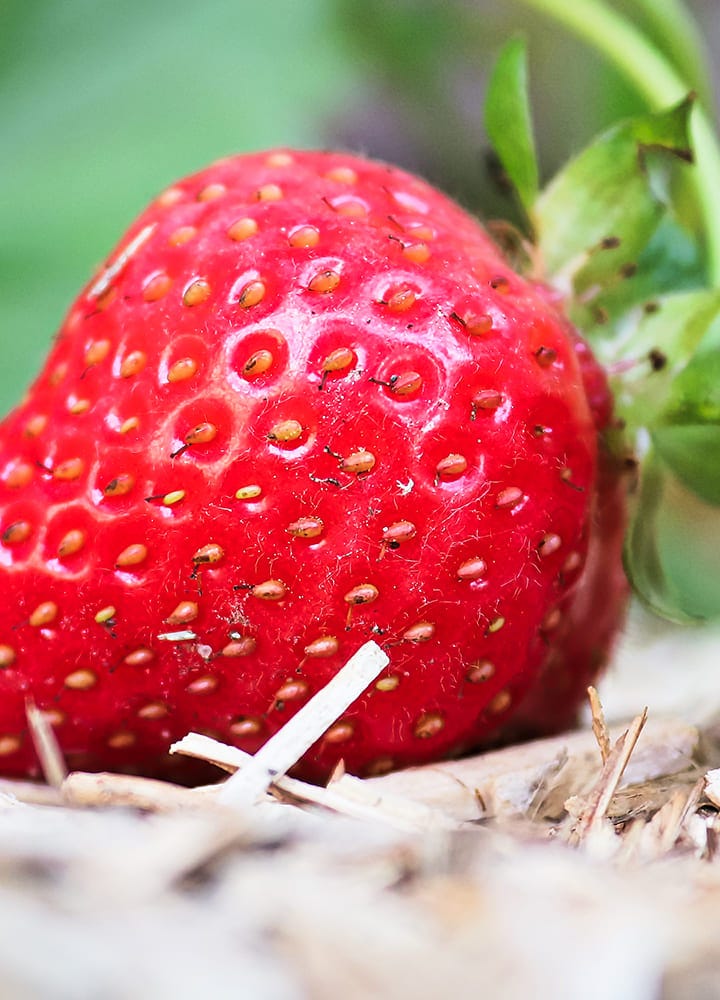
(306, 402)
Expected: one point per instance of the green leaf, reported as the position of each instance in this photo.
(598, 214)
(508, 121)
(692, 451)
(672, 548)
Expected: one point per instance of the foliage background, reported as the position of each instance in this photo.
(103, 104)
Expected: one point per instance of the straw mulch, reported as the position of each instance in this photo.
(584, 866)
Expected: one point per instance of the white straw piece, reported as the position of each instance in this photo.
(115, 269)
(347, 795)
(296, 737)
(46, 746)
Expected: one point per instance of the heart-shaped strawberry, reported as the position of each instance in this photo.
(306, 403)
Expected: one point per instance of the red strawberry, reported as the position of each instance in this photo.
(306, 403)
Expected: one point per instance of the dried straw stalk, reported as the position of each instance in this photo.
(579, 866)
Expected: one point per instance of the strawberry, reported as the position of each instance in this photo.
(306, 403)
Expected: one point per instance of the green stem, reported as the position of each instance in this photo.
(653, 76)
(678, 37)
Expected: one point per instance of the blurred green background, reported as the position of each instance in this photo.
(103, 104)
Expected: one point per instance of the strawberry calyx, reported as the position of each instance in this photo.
(607, 237)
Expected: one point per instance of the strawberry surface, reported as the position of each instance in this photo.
(305, 403)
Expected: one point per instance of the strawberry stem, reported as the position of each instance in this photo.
(679, 38)
(659, 82)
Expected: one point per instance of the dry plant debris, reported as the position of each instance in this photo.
(582, 865)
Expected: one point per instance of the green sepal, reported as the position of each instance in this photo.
(650, 348)
(672, 547)
(693, 453)
(599, 212)
(508, 121)
(688, 432)
(671, 262)
(695, 393)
